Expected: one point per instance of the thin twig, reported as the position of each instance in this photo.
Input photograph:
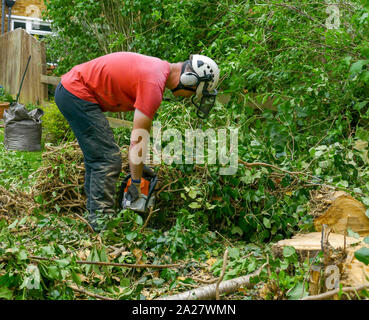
(255, 164)
(166, 186)
(221, 275)
(148, 218)
(205, 281)
(331, 293)
(85, 221)
(87, 293)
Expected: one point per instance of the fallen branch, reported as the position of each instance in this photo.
(100, 263)
(90, 294)
(209, 292)
(262, 164)
(221, 275)
(331, 293)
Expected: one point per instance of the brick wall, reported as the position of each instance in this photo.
(26, 8)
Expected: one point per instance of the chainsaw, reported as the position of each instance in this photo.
(146, 201)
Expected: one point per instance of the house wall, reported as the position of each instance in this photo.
(26, 8)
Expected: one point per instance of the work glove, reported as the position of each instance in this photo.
(138, 197)
(133, 192)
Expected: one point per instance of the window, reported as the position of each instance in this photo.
(33, 26)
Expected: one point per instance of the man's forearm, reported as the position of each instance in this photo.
(140, 138)
(136, 169)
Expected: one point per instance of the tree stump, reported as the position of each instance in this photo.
(338, 259)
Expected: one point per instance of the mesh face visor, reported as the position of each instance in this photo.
(206, 103)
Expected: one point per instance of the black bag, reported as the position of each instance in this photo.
(23, 128)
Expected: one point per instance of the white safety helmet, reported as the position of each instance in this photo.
(204, 66)
(204, 75)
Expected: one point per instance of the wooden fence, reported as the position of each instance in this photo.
(15, 48)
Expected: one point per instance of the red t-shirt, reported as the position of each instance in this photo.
(120, 81)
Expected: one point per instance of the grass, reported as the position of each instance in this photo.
(17, 166)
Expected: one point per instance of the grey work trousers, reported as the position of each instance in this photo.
(102, 158)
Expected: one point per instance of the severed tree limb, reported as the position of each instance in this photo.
(208, 292)
(221, 275)
(331, 293)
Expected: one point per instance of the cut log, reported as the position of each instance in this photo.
(312, 242)
(339, 211)
(345, 212)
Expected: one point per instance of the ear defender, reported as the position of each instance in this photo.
(189, 79)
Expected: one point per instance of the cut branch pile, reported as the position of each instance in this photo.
(15, 202)
(60, 178)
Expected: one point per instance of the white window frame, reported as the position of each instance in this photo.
(29, 21)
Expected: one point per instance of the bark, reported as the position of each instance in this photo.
(209, 292)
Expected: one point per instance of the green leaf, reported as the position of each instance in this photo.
(48, 250)
(13, 225)
(139, 220)
(365, 76)
(22, 255)
(39, 199)
(236, 229)
(53, 272)
(267, 223)
(357, 66)
(362, 255)
(75, 277)
(192, 194)
(234, 253)
(194, 205)
(62, 262)
(353, 234)
(366, 240)
(365, 201)
(358, 106)
(125, 282)
(158, 282)
(288, 251)
(132, 235)
(296, 292)
(32, 278)
(252, 266)
(6, 293)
